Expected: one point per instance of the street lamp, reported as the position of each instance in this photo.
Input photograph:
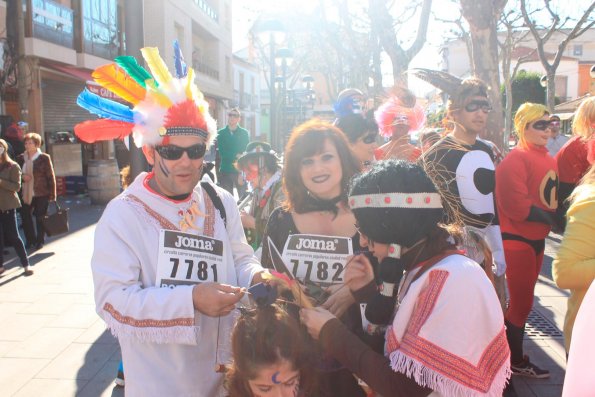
(543, 83)
(283, 59)
(275, 32)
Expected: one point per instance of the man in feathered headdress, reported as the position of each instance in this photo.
(462, 166)
(169, 252)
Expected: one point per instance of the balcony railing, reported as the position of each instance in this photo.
(203, 68)
(53, 22)
(207, 9)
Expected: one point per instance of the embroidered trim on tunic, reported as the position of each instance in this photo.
(185, 321)
(209, 226)
(163, 222)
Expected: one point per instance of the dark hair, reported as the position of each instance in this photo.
(355, 125)
(262, 337)
(430, 136)
(388, 225)
(270, 163)
(306, 140)
(469, 87)
(554, 117)
(237, 110)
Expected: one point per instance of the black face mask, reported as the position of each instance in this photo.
(542, 125)
(474, 106)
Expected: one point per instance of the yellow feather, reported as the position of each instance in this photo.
(116, 80)
(156, 95)
(189, 83)
(157, 65)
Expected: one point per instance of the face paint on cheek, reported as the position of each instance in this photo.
(251, 173)
(163, 168)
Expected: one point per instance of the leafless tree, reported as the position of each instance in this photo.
(543, 34)
(511, 34)
(387, 25)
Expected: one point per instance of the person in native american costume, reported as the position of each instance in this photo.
(169, 252)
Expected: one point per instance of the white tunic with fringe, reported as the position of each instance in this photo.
(168, 348)
(448, 332)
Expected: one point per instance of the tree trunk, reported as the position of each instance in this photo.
(22, 81)
(551, 89)
(482, 16)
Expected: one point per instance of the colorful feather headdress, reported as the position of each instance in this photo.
(400, 108)
(162, 105)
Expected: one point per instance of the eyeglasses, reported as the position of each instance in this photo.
(233, 115)
(542, 125)
(173, 152)
(370, 138)
(474, 106)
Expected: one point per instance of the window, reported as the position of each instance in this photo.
(577, 50)
(100, 28)
(227, 70)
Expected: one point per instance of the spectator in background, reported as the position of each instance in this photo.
(427, 139)
(362, 133)
(574, 265)
(557, 140)
(14, 137)
(576, 155)
(231, 143)
(10, 183)
(39, 188)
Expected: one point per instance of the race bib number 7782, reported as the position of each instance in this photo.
(320, 259)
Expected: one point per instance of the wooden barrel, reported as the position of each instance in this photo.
(103, 180)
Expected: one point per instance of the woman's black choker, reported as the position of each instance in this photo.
(312, 204)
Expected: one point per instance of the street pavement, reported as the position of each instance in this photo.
(52, 343)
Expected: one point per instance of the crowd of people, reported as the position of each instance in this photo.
(27, 186)
(368, 271)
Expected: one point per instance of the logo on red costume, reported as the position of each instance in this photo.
(548, 190)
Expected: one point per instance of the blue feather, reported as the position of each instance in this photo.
(104, 108)
(181, 68)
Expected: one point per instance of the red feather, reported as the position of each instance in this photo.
(185, 114)
(102, 130)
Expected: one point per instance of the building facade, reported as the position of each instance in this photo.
(246, 96)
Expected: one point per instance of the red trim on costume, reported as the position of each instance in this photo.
(477, 377)
(182, 321)
(163, 222)
(427, 300)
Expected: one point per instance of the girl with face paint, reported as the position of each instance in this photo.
(271, 356)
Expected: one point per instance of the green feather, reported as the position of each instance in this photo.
(134, 70)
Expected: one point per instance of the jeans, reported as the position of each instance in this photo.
(39, 208)
(227, 180)
(8, 230)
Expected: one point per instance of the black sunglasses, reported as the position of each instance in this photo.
(370, 138)
(474, 106)
(173, 152)
(542, 125)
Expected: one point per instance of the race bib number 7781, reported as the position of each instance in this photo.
(187, 259)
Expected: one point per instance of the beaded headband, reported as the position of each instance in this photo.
(396, 200)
